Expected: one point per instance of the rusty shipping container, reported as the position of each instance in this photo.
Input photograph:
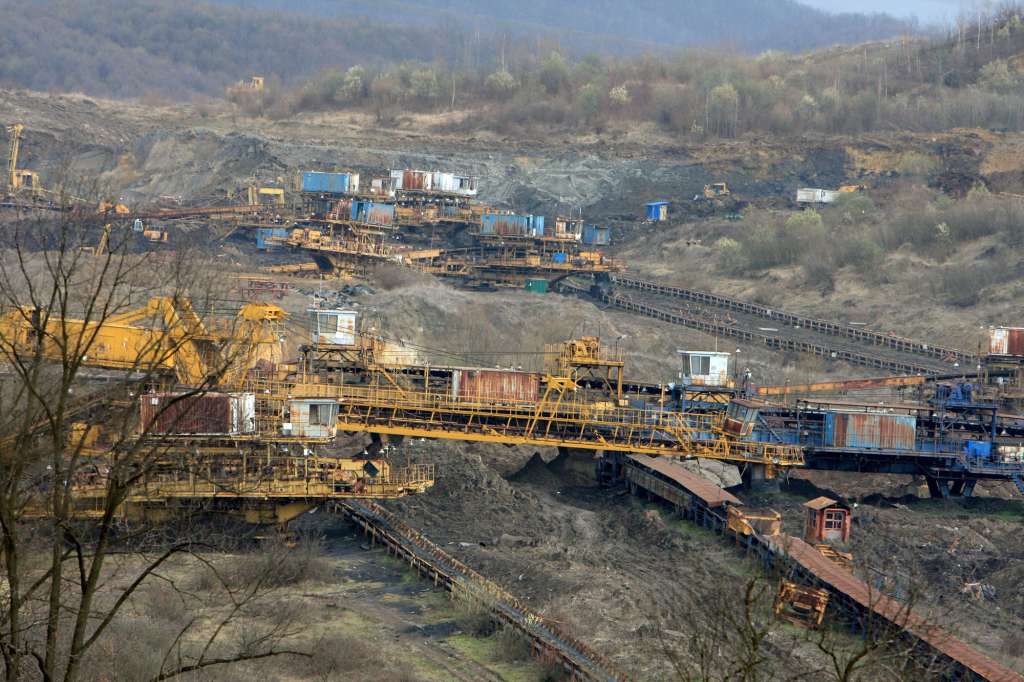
(495, 385)
(1006, 341)
(209, 413)
(416, 180)
(870, 430)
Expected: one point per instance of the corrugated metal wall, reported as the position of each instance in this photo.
(327, 183)
(495, 385)
(210, 413)
(870, 431)
(596, 235)
(1006, 341)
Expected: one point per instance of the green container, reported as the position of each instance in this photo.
(537, 286)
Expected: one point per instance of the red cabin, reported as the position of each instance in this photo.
(827, 521)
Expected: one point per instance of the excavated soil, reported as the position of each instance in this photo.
(618, 572)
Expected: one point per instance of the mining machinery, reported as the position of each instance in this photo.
(19, 179)
(166, 336)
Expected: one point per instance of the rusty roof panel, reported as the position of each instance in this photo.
(697, 485)
(820, 503)
(844, 581)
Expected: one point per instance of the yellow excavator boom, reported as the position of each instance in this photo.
(165, 336)
(14, 133)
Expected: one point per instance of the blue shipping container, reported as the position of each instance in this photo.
(373, 213)
(537, 226)
(979, 448)
(596, 235)
(560, 257)
(263, 235)
(505, 225)
(325, 183)
(657, 210)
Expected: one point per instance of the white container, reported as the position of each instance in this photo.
(704, 368)
(334, 327)
(810, 195)
(311, 418)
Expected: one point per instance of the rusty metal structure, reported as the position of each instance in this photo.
(814, 575)
(773, 341)
(556, 419)
(248, 480)
(801, 605)
(856, 333)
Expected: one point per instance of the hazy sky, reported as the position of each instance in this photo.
(926, 10)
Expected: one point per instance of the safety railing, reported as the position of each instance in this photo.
(827, 327)
(581, 661)
(294, 478)
(556, 419)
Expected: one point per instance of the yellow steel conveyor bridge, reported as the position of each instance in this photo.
(557, 419)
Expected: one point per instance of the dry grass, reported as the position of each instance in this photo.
(475, 619)
(277, 565)
(512, 647)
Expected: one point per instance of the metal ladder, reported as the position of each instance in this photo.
(1018, 480)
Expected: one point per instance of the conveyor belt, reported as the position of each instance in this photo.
(801, 557)
(774, 342)
(824, 326)
(579, 661)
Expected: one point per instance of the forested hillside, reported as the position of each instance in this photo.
(971, 78)
(138, 47)
(749, 25)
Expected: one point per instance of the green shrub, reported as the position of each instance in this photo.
(860, 252)
(962, 285)
(917, 165)
(730, 255)
(852, 208)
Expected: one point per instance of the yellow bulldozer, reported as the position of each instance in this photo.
(716, 190)
(717, 198)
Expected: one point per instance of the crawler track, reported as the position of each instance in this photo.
(430, 561)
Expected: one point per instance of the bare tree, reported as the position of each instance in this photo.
(723, 627)
(70, 565)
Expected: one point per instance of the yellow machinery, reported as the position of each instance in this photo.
(585, 356)
(19, 179)
(274, 196)
(260, 479)
(716, 190)
(346, 248)
(751, 522)
(107, 207)
(547, 409)
(852, 189)
(166, 335)
(253, 84)
(156, 236)
(801, 605)
(309, 267)
(257, 485)
(101, 247)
